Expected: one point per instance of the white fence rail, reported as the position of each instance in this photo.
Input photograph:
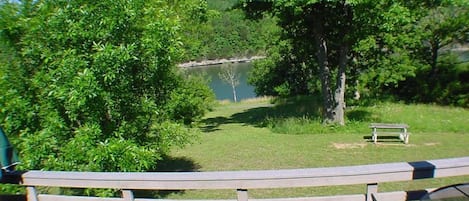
(242, 181)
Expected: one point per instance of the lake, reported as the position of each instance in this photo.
(222, 89)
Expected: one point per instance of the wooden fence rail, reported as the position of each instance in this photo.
(241, 181)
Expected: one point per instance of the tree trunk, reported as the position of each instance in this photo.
(333, 95)
(435, 46)
(339, 95)
(356, 94)
(233, 86)
(325, 73)
(229, 76)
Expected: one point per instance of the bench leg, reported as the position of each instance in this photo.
(406, 136)
(374, 136)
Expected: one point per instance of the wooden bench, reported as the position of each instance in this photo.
(387, 128)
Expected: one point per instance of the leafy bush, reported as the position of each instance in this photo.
(190, 102)
(93, 86)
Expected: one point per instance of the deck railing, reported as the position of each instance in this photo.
(241, 181)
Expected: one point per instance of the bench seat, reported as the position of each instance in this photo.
(389, 128)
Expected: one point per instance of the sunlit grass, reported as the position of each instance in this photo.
(420, 118)
(257, 135)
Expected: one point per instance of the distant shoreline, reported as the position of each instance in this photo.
(219, 61)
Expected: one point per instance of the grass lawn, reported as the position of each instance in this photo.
(257, 135)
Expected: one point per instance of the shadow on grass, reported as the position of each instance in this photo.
(253, 116)
(383, 138)
(212, 124)
(301, 106)
(309, 107)
(177, 164)
(360, 115)
(169, 164)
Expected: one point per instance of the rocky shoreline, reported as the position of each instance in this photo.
(219, 61)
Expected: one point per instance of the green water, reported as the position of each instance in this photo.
(223, 90)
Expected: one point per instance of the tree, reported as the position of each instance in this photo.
(336, 38)
(441, 26)
(441, 75)
(223, 32)
(92, 85)
(311, 25)
(228, 74)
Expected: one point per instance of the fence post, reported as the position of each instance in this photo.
(128, 195)
(242, 194)
(31, 194)
(371, 190)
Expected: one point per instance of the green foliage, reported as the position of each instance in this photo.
(448, 87)
(388, 42)
(440, 77)
(85, 151)
(190, 102)
(92, 86)
(221, 5)
(226, 33)
(384, 51)
(284, 73)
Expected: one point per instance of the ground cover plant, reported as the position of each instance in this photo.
(259, 135)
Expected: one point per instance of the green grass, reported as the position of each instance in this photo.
(260, 135)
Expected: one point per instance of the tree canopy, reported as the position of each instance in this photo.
(92, 85)
(224, 32)
(335, 47)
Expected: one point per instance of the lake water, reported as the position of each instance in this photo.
(222, 89)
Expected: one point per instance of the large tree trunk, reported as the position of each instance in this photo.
(333, 95)
(339, 95)
(329, 102)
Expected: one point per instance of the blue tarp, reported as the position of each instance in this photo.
(8, 155)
